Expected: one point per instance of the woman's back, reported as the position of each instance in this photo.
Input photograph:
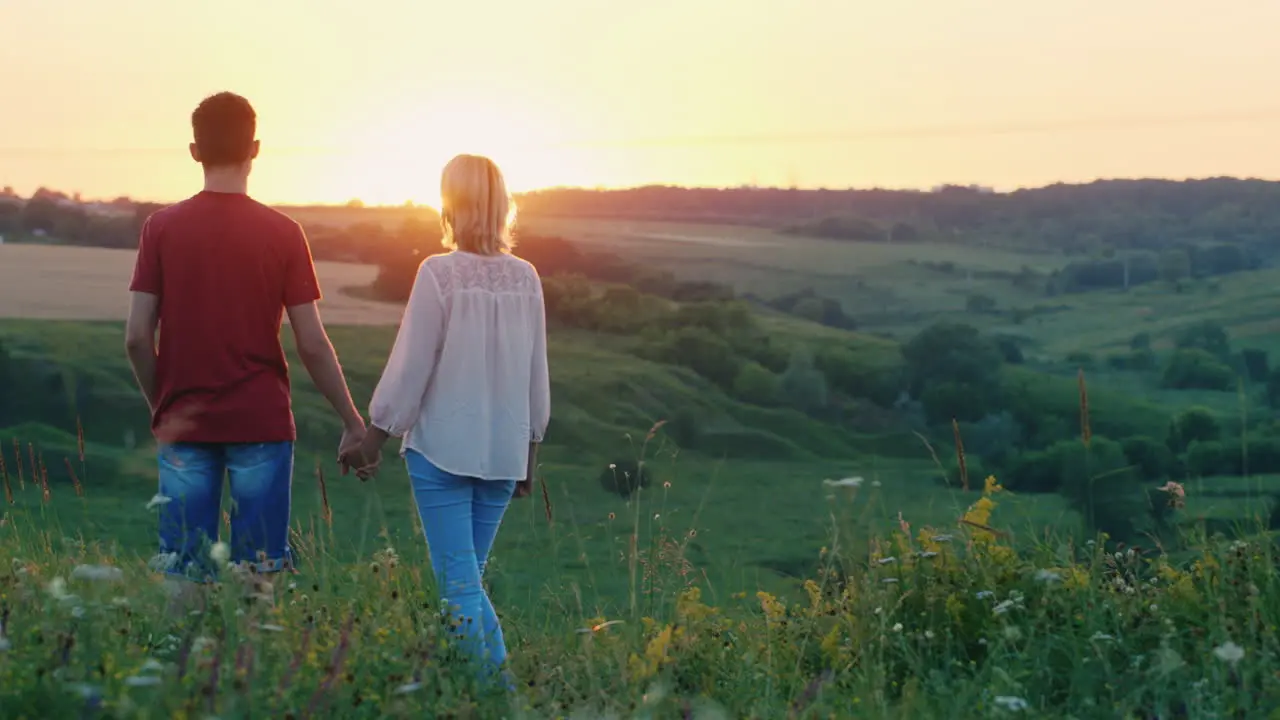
(466, 384)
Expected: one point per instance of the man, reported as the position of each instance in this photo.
(215, 273)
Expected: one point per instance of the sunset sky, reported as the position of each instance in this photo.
(369, 99)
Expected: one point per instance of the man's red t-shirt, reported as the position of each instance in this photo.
(224, 267)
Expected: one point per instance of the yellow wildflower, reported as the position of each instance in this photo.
(773, 609)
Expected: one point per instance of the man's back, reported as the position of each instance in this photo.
(224, 267)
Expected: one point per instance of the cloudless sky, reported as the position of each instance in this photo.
(368, 99)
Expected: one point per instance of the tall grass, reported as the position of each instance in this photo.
(947, 622)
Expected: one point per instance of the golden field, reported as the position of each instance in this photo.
(48, 282)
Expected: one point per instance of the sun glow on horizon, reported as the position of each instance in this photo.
(398, 158)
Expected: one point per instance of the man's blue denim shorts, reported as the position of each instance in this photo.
(191, 474)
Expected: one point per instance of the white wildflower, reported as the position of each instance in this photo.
(926, 555)
(984, 594)
(220, 552)
(1047, 576)
(876, 483)
(890, 581)
(4, 643)
(849, 482)
(97, 573)
(1010, 703)
(877, 611)
(58, 588)
(1004, 606)
(271, 628)
(1013, 633)
(1155, 607)
(142, 681)
(77, 612)
(157, 500)
(152, 665)
(408, 688)
(886, 561)
(1229, 652)
(942, 538)
(928, 635)
(897, 627)
(1102, 637)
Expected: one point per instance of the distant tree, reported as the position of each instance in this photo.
(1208, 335)
(1153, 459)
(1193, 425)
(756, 385)
(810, 308)
(803, 385)
(1141, 341)
(1256, 365)
(1196, 369)
(951, 352)
(1175, 265)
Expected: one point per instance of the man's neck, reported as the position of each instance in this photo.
(226, 180)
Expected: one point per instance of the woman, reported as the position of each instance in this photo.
(467, 388)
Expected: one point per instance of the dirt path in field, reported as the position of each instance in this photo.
(47, 282)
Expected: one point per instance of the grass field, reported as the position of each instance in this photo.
(1060, 636)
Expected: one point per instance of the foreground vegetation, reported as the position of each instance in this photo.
(933, 622)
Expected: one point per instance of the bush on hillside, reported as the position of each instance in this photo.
(1256, 364)
(851, 375)
(756, 385)
(1195, 424)
(1100, 482)
(1197, 369)
(803, 385)
(947, 401)
(700, 350)
(1209, 336)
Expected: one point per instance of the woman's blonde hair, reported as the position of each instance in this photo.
(476, 212)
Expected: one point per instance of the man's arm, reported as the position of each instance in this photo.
(140, 342)
(321, 362)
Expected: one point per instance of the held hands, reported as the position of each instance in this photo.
(361, 450)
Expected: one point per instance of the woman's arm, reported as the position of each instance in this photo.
(540, 380)
(397, 401)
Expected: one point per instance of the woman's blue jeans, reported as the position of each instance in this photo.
(460, 517)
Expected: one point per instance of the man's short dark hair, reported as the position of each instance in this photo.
(224, 126)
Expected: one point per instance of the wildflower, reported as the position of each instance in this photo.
(58, 588)
(984, 594)
(877, 611)
(77, 612)
(142, 681)
(598, 627)
(1102, 637)
(1013, 633)
(408, 688)
(876, 483)
(271, 628)
(897, 627)
(890, 581)
(886, 561)
(942, 538)
(666, 485)
(849, 482)
(926, 555)
(613, 516)
(1010, 703)
(157, 500)
(1177, 494)
(97, 573)
(152, 665)
(1047, 576)
(4, 643)
(220, 552)
(928, 635)
(1229, 652)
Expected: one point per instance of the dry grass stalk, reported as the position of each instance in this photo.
(1086, 432)
(45, 494)
(326, 512)
(964, 468)
(17, 458)
(75, 480)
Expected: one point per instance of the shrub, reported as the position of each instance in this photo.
(803, 385)
(1197, 369)
(1152, 459)
(1193, 425)
(756, 385)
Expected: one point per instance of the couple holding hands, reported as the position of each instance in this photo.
(466, 385)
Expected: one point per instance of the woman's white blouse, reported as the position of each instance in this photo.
(467, 383)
